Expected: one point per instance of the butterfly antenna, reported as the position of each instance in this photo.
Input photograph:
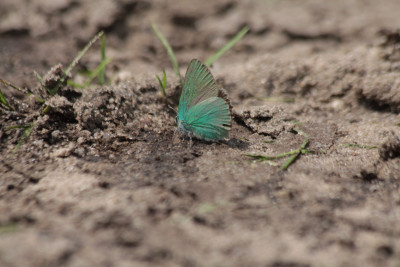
(176, 112)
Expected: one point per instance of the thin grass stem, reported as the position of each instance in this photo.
(40, 78)
(102, 73)
(74, 84)
(25, 135)
(163, 83)
(361, 146)
(75, 62)
(170, 52)
(97, 72)
(4, 101)
(14, 86)
(290, 161)
(228, 46)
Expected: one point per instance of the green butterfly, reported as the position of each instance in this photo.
(202, 113)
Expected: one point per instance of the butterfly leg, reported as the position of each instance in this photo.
(173, 136)
(190, 141)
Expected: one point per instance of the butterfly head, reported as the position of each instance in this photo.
(183, 126)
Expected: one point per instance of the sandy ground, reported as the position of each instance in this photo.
(100, 182)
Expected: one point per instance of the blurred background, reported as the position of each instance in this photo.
(39, 34)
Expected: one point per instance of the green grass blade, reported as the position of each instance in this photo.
(165, 79)
(97, 71)
(283, 155)
(111, 80)
(4, 101)
(162, 85)
(40, 100)
(40, 78)
(85, 73)
(260, 157)
(290, 161)
(14, 87)
(74, 84)
(25, 135)
(361, 146)
(102, 74)
(25, 91)
(294, 154)
(304, 144)
(228, 46)
(302, 150)
(170, 52)
(12, 127)
(301, 132)
(46, 109)
(159, 80)
(75, 62)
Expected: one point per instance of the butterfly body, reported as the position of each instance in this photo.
(202, 113)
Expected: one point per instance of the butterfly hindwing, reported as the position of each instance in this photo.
(199, 85)
(210, 119)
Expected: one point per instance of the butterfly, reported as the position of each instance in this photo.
(202, 113)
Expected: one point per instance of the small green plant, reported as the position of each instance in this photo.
(4, 102)
(27, 132)
(40, 78)
(163, 83)
(294, 154)
(170, 52)
(209, 61)
(361, 146)
(24, 91)
(96, 72)
(53, 91)
(102, 70)
(99, 71)
(14, 87)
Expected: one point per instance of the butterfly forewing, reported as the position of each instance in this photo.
(199, 85)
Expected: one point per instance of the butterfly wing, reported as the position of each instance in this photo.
(199, 85)
(210, 119)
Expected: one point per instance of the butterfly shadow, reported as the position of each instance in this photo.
(236, 143)
(232, 142)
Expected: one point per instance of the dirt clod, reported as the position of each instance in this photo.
(390, 147)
